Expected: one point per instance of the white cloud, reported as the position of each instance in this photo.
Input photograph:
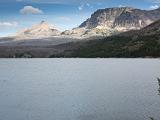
(30, 10)
(19, 0)
(80, 7)
(8, 24)
(88, 4)
(154, 7)
(121, 6)
(154, 1)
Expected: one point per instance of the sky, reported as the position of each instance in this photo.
(16, 15)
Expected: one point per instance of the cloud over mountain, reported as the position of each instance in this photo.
(154, 7)
(8, 24)
(30, 10)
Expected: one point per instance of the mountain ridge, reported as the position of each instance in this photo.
(103, 22)
(140, 43)
(117, 13)
(111, 21)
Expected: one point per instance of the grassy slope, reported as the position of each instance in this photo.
(121, 47)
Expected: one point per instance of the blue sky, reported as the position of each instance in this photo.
(64, 14)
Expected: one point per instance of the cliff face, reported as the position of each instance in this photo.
(121, 19)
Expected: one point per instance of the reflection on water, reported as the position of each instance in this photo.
(151, 118)
(159, 85)
(158, 79)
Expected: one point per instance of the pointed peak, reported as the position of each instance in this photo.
(43, 22)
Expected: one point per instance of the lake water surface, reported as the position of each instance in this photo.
(79, 89)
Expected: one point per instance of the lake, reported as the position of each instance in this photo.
(79, 89)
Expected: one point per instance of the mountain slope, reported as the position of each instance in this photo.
(145, 44)
(152, 28)
(148, 30)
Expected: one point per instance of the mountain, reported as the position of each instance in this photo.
(43, 29)
(121, 18)
(110, 21)
(139, 43)
(103, 22)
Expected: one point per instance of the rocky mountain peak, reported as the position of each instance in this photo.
(42, 22)
(121, 18)
(43, 29)
(110, 21)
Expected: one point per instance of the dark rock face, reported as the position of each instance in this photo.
(125, 17)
